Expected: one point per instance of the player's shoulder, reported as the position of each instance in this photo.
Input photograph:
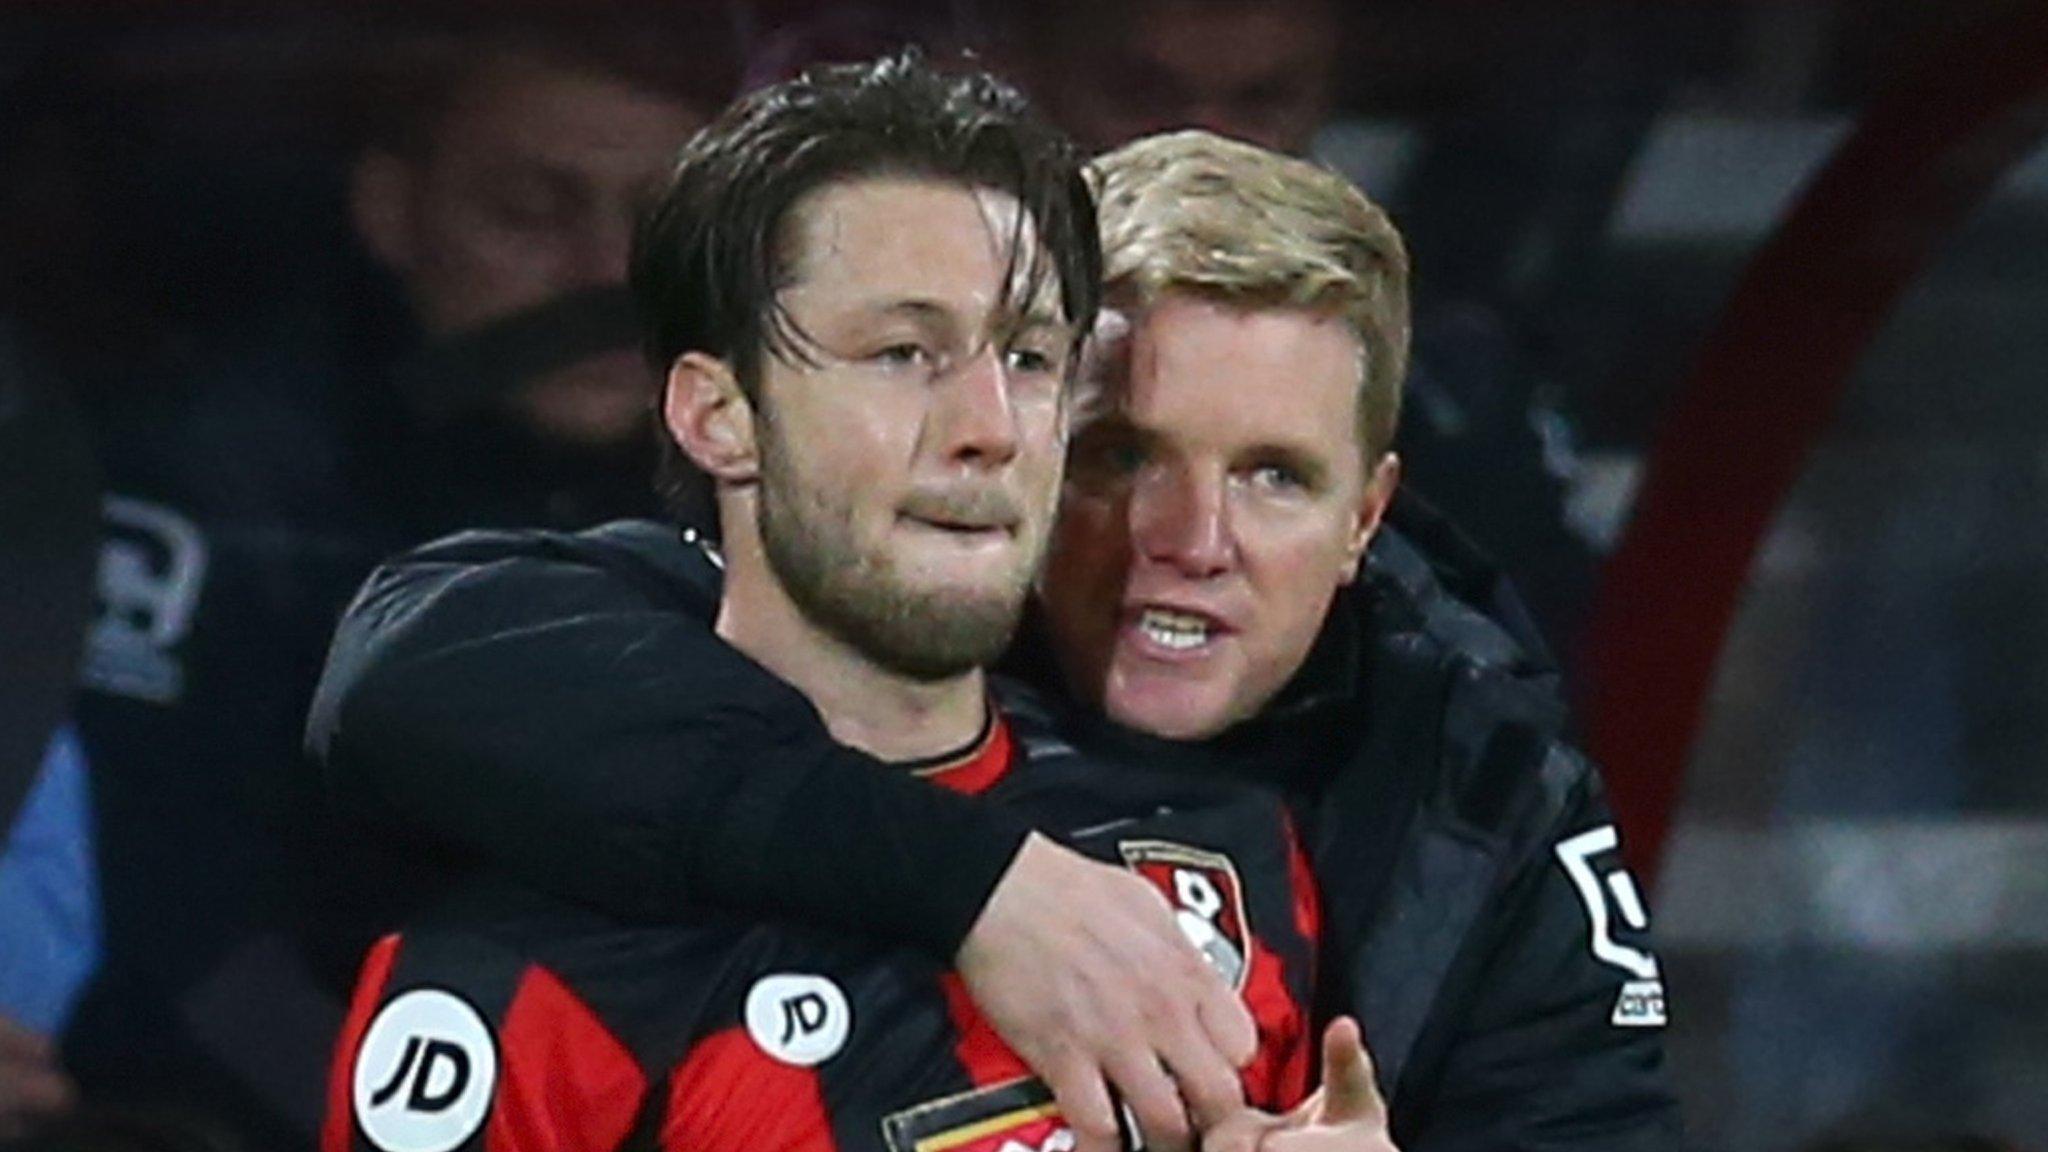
(659, 562)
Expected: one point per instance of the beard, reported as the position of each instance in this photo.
(859, 595)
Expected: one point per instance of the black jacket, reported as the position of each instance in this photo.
(557, 705)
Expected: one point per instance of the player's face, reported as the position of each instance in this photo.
(526, 190)
(1216, 498)
(1255, 71)
(908, 476)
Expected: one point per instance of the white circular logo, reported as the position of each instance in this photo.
(798, 1019)
(424, 1073)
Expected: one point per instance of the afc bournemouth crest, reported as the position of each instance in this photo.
(1207, 900)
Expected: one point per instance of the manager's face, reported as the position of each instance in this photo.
(1217, 496)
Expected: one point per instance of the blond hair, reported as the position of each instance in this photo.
(1195, 213)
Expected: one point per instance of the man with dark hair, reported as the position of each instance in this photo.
(867, 288)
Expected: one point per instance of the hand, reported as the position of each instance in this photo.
(1080, 967)
(32, 1088)
(1346, 1114)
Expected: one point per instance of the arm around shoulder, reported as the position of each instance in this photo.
(561, 708)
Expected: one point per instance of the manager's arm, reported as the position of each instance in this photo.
(560, 707)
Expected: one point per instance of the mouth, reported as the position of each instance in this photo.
(968, 516)
(1175, 631)
(967, 529)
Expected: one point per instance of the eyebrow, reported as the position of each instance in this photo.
(925, 310)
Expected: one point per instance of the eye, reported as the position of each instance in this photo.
(1277, 478)
(907, 354)
(1031, 360)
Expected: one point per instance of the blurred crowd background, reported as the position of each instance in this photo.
(285, 287)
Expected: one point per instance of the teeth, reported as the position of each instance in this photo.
(1176, 630)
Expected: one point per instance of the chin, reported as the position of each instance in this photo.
(1174, 719)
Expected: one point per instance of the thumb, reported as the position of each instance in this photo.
(1349, 1093)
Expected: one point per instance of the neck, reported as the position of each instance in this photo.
(864, 705)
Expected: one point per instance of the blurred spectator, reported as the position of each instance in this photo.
(500, 188)
(48, 915)
(1258, 70)
(1477, 436)
(495, 191)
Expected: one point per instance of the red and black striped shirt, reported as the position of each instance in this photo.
(508, 1022)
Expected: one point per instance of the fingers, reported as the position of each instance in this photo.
(1080, 964)
(1241, 1131)
(1349, 1092)
(1202, 1063)
(1083, 1099)
(1153, 1099)
(1227, 1021)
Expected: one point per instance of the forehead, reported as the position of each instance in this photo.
(890, 238)
(1208, 376)
(516, 108)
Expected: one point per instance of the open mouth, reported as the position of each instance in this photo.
(1175, 630)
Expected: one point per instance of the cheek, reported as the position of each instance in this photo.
(1296, 575)
(1088, 534)
(483, 272)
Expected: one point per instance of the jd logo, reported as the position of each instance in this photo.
(423, 1098)
(424, 1074)
(798, 1019)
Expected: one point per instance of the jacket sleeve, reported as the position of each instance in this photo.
(539, 710)
(1560, 1044)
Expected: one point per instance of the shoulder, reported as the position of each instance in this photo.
(1441, 634)
(653, 556)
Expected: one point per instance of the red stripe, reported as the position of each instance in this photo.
(565, 1083)
(980, 771)
(1765, 388)
(337, 1132)
(1278, 1077)
(729, 1096)
(1308, 900)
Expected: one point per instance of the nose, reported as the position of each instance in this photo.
(1182, 519)
(974, 418)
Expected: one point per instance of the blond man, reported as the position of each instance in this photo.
(1232, 588)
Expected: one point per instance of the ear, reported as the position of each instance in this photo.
(380, 205)
(1372, 506)
(710, 418)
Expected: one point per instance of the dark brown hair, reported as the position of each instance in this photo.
(709, 261)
